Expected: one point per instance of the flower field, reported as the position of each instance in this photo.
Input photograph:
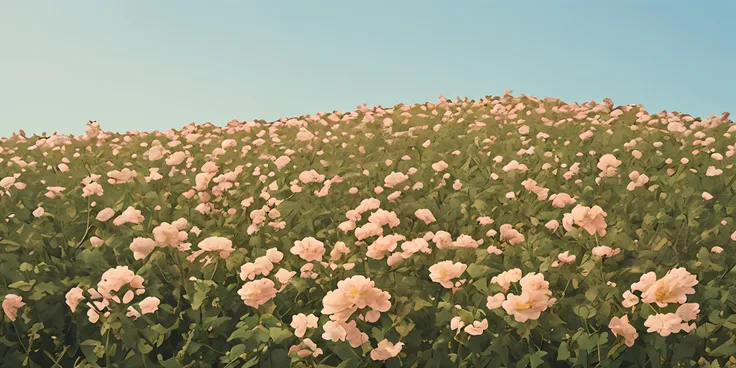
(509, 231)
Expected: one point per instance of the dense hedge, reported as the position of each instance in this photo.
(503, 232)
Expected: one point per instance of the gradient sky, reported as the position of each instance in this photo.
(163, 64)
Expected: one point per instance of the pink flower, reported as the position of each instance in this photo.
(504, 279)
(465, 241)
(142, 247)
(443, 272)
(105, 214)
(456, 323)
(622, 327)
(510, 235)
(148, 305)
(477, 328)
(439, 166)
(130, 215)
(630, 299)
(707, 196)
(301, 322)
(528, 305)
(552, 225)
(11, 303)
(394, 179)
(605, 251)
(716, 249)
(339, 250)
(378, 249)
(386, 350)
(492, 249)
(73, 297)
(425, 215)
(306, 348)
(354, 293)
(115, 278)
(96, 242)
(258, 292)
(383, 217)
(591, 219)
(281, 162)
(688, 311)
(565, 257)
(666, 324)
(495, 301)
(284, 276)
(334, 331)
(308, 249)
(217, 244)
(169, 235)
(672, 288)
(38, 212)
(121, 177)
(608, 164)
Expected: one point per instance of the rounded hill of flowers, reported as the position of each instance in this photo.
(509, 231)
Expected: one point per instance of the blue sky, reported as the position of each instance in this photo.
(164, 64)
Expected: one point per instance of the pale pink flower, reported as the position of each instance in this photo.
(506, 278)
(105, 214)
(169, 235)
(442, 239)
(115, 278)
(394, 179)
(688, 311)
(307, 347)
(477, 328)
(301, 322)
(354, 293)
(308, 249)
(383, 244)
(528, 305)
(716, 249)
(707, 196)
(591, 219)
(622, 327)
(142, 247)
(495, 301)
(510, 235)
(339, 249)
(552, 225)
(11, 303)
(608, 164)
(630, 299)
(566, 257)
(38, 212)
(130, 215)
(284, 276)
(425, 215)
(456, 324)
(443, 272)
(386, 350)
(382, 217)
(96, 242)
(439, 166)
(73, 297)
(258, 292)
(672, 288)
(492, 249)
(605, 251)
(666, 324)
(217, 244)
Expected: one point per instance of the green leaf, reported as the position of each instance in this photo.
(279, 334)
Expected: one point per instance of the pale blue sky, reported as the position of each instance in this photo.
(164, 64)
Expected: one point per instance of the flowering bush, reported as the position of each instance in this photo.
(422, 235)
